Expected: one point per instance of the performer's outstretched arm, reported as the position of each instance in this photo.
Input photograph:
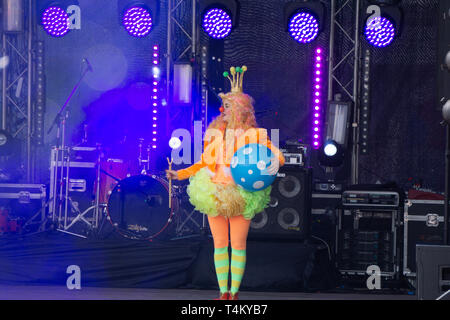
(190, 171)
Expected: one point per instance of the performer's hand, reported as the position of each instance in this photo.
(171, 174)
(274, 166)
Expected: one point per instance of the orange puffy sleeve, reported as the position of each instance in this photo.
(188, 172)
(208, 158)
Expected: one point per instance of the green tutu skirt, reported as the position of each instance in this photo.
(206, 196)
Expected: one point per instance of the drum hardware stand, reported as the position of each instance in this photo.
(105, 217)
(42, 222)
(80, 215)
(144, 163)
(188, 217)
(179, 227)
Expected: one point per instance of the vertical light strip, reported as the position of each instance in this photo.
(365, 105)
(155, 96)
(317, 99)
(204, 64)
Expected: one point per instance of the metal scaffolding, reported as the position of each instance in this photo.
(182, 45)
(17, 82)
(344, 64)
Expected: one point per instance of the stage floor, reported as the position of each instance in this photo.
(91, 293)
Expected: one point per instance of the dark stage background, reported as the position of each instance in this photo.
(406, 139)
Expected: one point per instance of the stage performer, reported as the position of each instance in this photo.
(213, 191)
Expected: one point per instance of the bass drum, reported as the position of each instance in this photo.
(138, 207)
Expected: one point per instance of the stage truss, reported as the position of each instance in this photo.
(344, 64)
(18, 114)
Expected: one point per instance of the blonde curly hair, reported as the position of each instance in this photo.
(243, 113)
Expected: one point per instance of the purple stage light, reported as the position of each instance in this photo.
(379, 31)
(304, 27)
(55, 21)
(217, 23)
(137, 21)
(316, 128)
(155, 97)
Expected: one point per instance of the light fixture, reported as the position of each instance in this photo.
(182, 84)
(175, 142)
(218, 17)
(55, 21)
(304, 20)
(337, 122)
(379, 31)
(58, 17)
(382, 24)
(40, 94)
(138, 17)
(156, 98)
(331, 154)
(13, 16)
(364, 114)
(137, 21)
(317, 91)
(330, 149)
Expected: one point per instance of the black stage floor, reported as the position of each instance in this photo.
(91, 293)
(37, 267)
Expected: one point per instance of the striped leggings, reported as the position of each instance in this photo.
(223, 230)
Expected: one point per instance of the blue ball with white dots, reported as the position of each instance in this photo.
(249, 167)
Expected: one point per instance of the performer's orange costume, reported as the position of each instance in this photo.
(213, 191)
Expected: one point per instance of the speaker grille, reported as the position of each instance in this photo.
(288, 213)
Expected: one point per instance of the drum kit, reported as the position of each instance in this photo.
(92, 191)
(89, 189)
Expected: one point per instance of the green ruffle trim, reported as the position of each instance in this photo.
(255, 202)
(202, 190)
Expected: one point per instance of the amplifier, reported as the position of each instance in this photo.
(356, 198)
(365, 237)
(294, 154)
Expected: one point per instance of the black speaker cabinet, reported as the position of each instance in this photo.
(433, 272)
(289, 212)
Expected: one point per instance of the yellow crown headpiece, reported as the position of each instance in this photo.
(237, 74)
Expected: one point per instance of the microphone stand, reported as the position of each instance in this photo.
(60, 147)
(58, 115)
